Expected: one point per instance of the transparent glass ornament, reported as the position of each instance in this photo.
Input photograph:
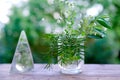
(22, 60)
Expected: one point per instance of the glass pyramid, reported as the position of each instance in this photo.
(22, 60)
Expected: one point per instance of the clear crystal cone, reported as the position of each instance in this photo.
(22, 60)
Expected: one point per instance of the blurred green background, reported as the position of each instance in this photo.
(38, 19)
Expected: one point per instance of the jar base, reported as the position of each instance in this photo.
(71, 71)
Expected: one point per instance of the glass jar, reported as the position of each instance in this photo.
(70, 55)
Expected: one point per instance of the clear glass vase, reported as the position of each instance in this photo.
(70, 55)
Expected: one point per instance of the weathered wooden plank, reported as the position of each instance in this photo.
(90, 72)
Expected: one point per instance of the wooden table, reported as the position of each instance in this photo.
(90, 72)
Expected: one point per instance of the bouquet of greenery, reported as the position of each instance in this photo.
(69, 45)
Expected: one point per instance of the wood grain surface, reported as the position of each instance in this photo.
(90, 72)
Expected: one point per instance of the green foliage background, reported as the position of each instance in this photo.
(98, 51)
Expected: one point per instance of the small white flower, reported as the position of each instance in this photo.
(58, 21)
(50, 1)
(66, 13)
(61, 0)
(43, 19)
(56, 15)
(66, 2)
(69, 22)
(71, 4)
